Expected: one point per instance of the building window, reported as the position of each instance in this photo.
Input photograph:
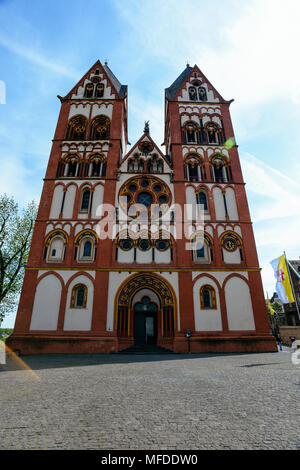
(191, 133)
(55, 246)
(99, 90)
(97, 165)
(89, 90)
(194, 169)
(86, 247)
(85, 200)
(220, 169)
(149, 191)
(192, 93)
(214, 134)
(202, 200)
(79, 296)
(202, 94)
(100, 128)
(76, 128)
(202, 248)
(208, 297)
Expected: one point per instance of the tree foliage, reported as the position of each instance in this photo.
(16, 229)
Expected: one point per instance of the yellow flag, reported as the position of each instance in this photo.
(283, 285)
(272, 311)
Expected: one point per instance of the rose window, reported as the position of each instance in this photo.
(148, 191)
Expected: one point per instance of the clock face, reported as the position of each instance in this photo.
(229, 244)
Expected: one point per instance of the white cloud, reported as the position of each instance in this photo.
(280, 194)
(276, 214)
(247, 49)
(37, 58)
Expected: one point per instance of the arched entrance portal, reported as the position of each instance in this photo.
(145, 310)
(145, 322)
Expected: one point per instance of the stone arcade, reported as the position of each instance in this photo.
(87, 293)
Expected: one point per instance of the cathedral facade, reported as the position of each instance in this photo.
(142, 247)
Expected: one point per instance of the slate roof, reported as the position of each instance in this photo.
(173, 89)
(121, 89)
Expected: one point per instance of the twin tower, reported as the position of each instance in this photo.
(142, 247)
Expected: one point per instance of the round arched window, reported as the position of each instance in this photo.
(147, 191)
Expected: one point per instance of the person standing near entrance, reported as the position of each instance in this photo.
(292, 339)
(279, 342)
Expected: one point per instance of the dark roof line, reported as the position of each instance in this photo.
(121, 89)
(173, 89)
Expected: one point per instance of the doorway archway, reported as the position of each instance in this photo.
(129, 303)
(145, 322)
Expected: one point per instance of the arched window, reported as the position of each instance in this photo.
(79, 296)
(155, 164)
(89, 90)
(202, 251)
(71, 165)
(76, 128)
(99, 90)
(136, 164)
(231, 248)
(214, 133)
(208, 297)
(55, 245)
(86, 247)
(85, 200)
(218, 169)
(192, 93)
(202, 200)
(194, 169)
(100, 128)
(202, 94)
(191, 133)
(98, 165)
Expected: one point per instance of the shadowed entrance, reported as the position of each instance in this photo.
(145, 311)
(145, 322)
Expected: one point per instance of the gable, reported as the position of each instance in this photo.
(193, 86)
(98, 82)
(144, 149)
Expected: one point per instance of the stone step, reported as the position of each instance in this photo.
(145, 349)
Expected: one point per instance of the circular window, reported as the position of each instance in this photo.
(144, 245)
(162, 245)
(149, 192)
(145, 198)
(163, 199)
(125, 245)
(132, 188)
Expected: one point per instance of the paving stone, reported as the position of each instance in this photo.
(238, 401)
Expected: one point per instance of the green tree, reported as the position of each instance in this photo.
(16, 229)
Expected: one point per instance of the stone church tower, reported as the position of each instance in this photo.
(142, 248)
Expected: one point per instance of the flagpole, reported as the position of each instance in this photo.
(291, 282)
(292, 267)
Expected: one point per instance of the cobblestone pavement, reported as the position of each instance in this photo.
(123, 402)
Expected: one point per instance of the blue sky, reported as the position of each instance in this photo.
(248, 50)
